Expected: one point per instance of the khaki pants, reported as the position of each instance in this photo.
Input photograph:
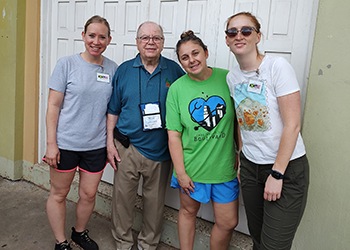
(155, 175)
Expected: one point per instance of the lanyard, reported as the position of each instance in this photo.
(160, 78)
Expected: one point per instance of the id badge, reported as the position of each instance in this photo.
(102, 77)
(255, 86)
(150, 116)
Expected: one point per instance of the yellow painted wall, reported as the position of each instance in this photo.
(12, 33)
(326, 223)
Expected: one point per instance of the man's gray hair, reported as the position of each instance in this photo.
(138, 29)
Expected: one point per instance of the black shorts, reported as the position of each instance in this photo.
(93, 161)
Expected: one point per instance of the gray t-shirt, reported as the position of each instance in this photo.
(87, 90)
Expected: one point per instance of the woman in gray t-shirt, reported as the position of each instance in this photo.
(80, 89)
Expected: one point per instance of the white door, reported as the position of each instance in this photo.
(287, 28)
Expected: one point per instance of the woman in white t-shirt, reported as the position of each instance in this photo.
(274, 170)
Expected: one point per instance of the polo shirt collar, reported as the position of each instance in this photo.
(162, 62)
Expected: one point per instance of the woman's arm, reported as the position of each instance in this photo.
(290, 109)
(112, 152)
(52, 156)
(176, 152)
(238, 147)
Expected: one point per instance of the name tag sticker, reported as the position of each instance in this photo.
(255, 86)
(102, 77)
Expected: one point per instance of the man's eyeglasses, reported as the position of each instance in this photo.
(245, 31)
(146, 39)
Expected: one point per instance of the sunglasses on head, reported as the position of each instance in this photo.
(245, 31)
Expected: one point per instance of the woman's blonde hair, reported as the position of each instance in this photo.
(97, 19)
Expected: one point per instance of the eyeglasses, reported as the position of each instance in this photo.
(146, 39)
(245, 31)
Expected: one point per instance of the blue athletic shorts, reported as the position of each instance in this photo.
(220, 193)
(93, 162)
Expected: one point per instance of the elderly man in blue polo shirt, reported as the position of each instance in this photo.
(137, 141)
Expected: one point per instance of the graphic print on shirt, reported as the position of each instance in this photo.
(168, 82)
(207, 112)
(251, 106)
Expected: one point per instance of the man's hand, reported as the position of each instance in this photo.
(113, 156)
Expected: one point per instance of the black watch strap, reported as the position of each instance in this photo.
(277, 175)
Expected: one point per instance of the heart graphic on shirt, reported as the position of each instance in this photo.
(207, 113)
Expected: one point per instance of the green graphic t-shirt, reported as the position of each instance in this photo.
(204, 113)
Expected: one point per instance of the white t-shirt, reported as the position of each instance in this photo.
(255, 94)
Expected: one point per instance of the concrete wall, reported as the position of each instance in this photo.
(12, 34)
(326, 223)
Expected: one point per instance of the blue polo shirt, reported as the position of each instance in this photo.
(134, 85)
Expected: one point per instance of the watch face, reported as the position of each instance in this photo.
(276, 175)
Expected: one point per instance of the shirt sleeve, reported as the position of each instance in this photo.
(58, 79)
(173, 115)
(114, 105)
(284, 78)
(230, 83)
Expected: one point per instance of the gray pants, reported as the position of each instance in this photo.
(272, 225)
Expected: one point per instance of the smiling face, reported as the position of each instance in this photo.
(150, 50)
(193, 59)
(96, 39)
(240, 44)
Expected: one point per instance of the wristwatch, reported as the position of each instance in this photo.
(277, 175)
